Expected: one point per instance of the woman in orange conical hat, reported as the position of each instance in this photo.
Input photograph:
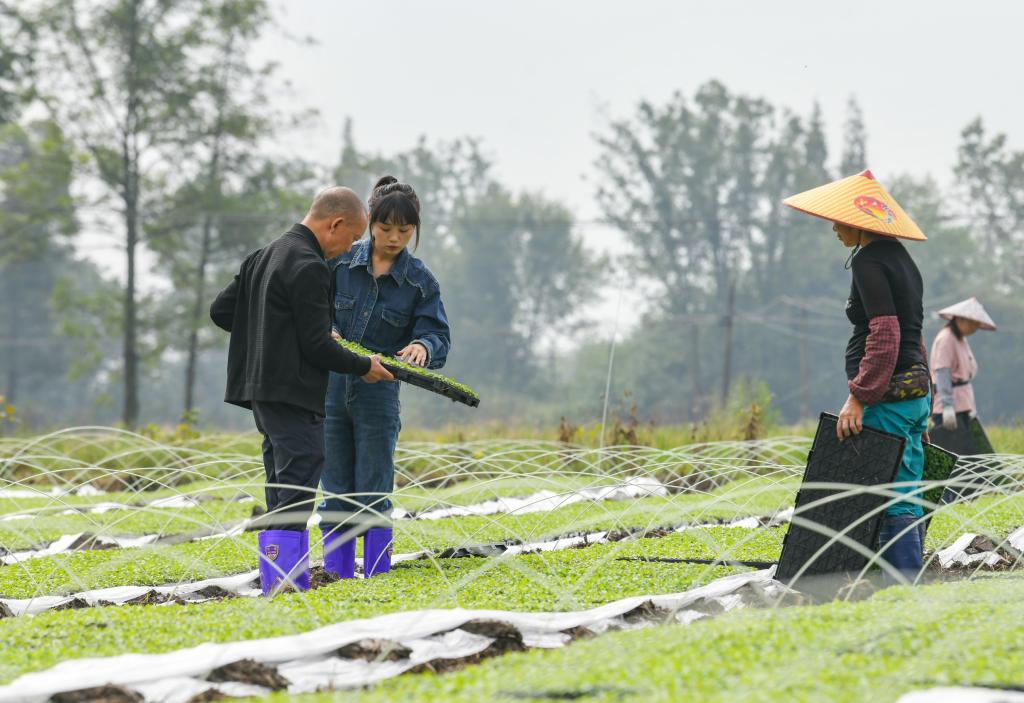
(886, 363)
(953, 364)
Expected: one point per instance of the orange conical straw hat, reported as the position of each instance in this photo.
(857, 201)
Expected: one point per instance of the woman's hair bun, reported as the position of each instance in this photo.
(384, 181)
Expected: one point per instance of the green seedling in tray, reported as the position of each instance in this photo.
(981, 440)
(419, 376)
(938, 466)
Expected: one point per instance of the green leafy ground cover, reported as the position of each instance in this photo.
(160, 564)
(996, 515)
(899, 640)
(857, 636)
(566, 580)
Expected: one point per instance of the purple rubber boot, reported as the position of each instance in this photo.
(340, 554)
(377, 551)
(284, 560)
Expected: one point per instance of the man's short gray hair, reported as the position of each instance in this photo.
(336, 201)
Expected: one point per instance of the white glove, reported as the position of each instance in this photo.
(949, 417)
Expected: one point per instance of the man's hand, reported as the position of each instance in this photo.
(949, 417)
(377, 372)
(850, 418)
(415, 353)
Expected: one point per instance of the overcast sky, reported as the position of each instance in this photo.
(534, 79)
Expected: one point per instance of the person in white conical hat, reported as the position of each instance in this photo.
(953, 364)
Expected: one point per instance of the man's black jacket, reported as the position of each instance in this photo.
(278, 312)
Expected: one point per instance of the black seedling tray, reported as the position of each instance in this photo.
(436, 385)
(967, 439)
(870, 458)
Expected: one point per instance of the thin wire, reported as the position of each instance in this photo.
(611, 358)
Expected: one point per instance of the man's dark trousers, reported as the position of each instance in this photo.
(293, 456)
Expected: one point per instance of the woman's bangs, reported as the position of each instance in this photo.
(395, 209)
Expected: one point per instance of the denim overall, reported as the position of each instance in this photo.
(361, 428)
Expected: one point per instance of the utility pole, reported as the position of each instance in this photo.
(695, 405)
(730, 316)
(805, 384)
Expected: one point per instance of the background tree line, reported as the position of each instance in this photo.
(147, 121)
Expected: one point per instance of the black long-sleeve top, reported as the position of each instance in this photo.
(278, 312)
(886, 283)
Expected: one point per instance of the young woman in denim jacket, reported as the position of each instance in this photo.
(387, 300)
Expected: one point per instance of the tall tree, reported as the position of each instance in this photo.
(116, 75)
(815, 144)
(855, 140)
(202, 232)
(37, 219)
(678, 179)
(228, 117)
(992, 178)
(514, 277)
(16, 39)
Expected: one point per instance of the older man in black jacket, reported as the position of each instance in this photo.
(277, 310)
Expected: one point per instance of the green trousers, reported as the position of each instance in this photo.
(908, 419)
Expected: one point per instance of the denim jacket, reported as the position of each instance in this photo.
(387, 313)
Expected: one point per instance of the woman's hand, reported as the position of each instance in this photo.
(850, 418)
(949, 417)
(415, 353)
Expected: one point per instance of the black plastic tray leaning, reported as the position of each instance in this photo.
(968, 438)
(435, 385)
(870, 458)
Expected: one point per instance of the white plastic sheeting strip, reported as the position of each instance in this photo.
(170, 502)
(957, 554)
(65, 542)
(309, 662)
(543, 501)
(180, 501)
(1016, 539)
(53, 492)
(239, 584)
(962, 694)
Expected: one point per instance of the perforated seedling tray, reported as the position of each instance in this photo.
(420, 377)
(811, 547)
(441, 386)
(967, 439)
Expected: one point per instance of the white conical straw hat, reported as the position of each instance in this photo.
(969, 309)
